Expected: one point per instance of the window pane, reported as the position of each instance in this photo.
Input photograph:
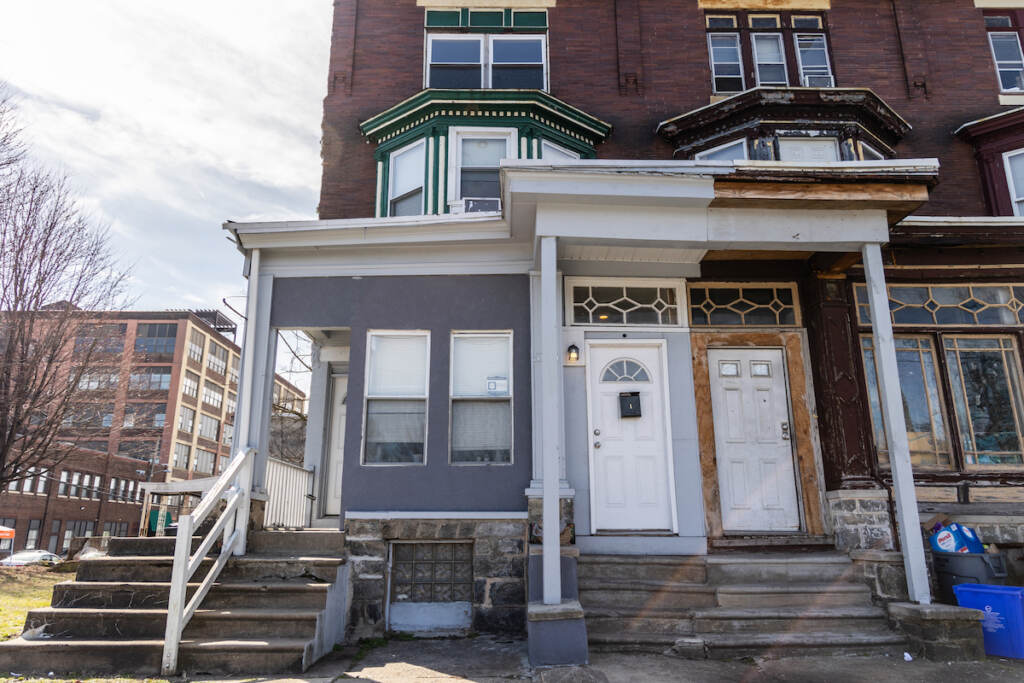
(735, 151)
(808, 150)
(481, 431)
(410, 205)
(395, 431)
(407, 170)
(398, 365)
(1005, 47)
(517, 51)
(454, 51)
(480, 366)
(518, 77)
(480, 183)
(769, 48)
(487, 152)
(1016, 163)
(455, 77)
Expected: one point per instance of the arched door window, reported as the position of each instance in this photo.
(625, 370)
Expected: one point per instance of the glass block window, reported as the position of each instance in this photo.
(432, 572)
(600, 303)
(625, 370)
(754, 305)
(949, 304)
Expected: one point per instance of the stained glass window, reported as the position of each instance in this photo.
(743, 305)
(601, 304)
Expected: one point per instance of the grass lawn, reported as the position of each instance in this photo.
(22, 589)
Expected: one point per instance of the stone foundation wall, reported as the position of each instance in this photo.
(499, 568)
(882, 571)
(861, 519)
(535, 512)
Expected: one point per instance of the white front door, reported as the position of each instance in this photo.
(631, 483)
(336, 446)
(750, 405)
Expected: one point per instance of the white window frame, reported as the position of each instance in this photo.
(800, 62)
(391, 175)
(455, 137)
(481, 334)
(486, 42)
(757, 62)
(679, 284)
(545, 144)
(370, 334)
(711, 62)
(1016, 203)
(703, 156)
(995, 62)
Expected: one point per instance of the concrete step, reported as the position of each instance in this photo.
(141, 568)
(307, 542)
(819, 643)
(780, 542)
(795, 595)
(768, 568)
(243, 623)
(643, 597)
(631, 642)
(142, 657)
(790, 620)
(677, 568)
(296, 594)
(610, 621)
(134, 546)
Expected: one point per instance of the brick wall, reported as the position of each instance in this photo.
(380, 62)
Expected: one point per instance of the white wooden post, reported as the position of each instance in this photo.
(176, 598)
(896, 428)
(551, 391)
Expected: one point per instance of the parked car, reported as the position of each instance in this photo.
(27, 557)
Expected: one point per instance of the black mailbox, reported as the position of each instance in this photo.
(629, 404)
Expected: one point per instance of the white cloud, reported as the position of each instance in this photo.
(171, 118)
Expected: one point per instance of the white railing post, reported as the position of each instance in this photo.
(176, 599)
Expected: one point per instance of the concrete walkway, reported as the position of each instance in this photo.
(489, 659)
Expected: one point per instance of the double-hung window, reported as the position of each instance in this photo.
(395, 423)
(405, 180)
(481, 398)
(477, 153)
(1005, 30)
(726, 62)
(769, 59)
(812, 58)
(486, 61)
(1014, 163)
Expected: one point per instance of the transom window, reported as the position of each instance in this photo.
(1014, 164)
(949, 305)
(781, 49)
(405, 180)
(1005, 29)
(481, 398)
(395, 422)
(771, 305)
(598, 301)
(625, 370)
(486, 61)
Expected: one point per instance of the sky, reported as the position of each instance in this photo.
(171, 118)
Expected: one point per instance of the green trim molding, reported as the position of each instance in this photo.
(486, 20)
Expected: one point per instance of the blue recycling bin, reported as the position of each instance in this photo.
(1003, 620)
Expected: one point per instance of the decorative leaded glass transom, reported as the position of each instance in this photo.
(987, 304)
(432, 572)
(625, 370)
(755, 305)
(600, 304)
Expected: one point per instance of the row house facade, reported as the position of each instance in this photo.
(636, 279)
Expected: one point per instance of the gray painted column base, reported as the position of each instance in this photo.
(557, 634)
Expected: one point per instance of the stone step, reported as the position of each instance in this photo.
(248, 567)
(601, 620)
(770, 568)
(795, 595)
(307, 542)
(790, 620)
(298, 594)
(135, 546)
(643, 597)
(631, 642)
(677, 568)
(780, 542)
(142, 657)
(819, 643)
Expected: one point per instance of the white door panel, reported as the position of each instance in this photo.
(756, 475)
(336, 446)
(629, 455)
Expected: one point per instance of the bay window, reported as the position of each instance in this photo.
(395, 406)
(481, 398)
(457, 61)
(405, 180)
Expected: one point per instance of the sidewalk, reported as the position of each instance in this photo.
(489, 659)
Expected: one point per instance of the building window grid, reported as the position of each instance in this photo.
(190, 384)
(476, 61)
(182, 455)
(217, 360)
(209, 427)
(186, 420)
(212, 394)
(196, 344)
(157, 338)
(150, 379)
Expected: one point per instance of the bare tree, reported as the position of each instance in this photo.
(55, 263)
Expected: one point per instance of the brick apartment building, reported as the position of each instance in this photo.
(159, 404)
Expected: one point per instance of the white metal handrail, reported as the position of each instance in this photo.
(233, 486)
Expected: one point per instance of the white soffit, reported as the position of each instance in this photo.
(601, 252)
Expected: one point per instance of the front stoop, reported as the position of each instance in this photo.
(277, 610)
(733, 605)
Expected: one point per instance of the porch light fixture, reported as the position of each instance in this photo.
(573, 353)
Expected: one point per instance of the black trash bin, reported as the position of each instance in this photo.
(955, 568)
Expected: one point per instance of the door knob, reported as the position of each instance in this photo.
(785, 431)
(597, 444)
(597, 432)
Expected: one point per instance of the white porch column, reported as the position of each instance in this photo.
(895, 427)
(551, 394)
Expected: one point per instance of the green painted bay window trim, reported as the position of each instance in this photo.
(483, 20)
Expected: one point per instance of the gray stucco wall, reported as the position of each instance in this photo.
(439, 304)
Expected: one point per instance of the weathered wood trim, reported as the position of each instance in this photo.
(844, 193)
(805, 441)
(970, 509)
